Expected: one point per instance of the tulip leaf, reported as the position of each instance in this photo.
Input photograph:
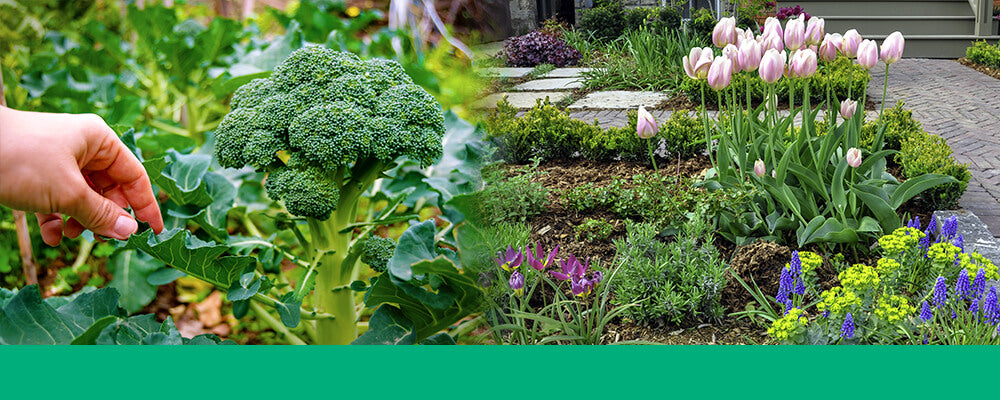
(917, 185)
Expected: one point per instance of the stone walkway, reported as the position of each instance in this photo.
(950, 100)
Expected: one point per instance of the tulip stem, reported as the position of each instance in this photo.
(791, 107)
(652, 157)
(885, 86)
(708, 134)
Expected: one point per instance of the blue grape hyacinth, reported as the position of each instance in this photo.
(784, 285)
(960, 242)
(950, 227)
(962, 288)
(925, 312)
(991, 310)
(940, 292)
(847, 330)
(979, 284)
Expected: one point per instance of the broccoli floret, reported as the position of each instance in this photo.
(328, 112)
(378, 251)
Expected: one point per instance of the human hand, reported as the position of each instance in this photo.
(73, 164)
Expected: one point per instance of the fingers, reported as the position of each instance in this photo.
(102, 216)
(51, 227)
(73, 228)
(125, 170)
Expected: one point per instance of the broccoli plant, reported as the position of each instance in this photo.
(324, 127)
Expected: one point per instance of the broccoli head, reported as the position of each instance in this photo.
(378, 250)
(327, 111)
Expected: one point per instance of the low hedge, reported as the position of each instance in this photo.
(548, 132)
(984, 54)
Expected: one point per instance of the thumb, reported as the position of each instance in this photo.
(104, 217)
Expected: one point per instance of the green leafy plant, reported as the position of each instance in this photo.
(984, 53)
(677, 281)
(594, 230)
(605, 21)
(512, 198)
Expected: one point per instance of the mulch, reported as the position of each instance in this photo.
(993, 72)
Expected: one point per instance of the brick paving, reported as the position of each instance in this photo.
(961, 105)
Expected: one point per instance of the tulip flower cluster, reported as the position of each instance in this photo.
(582, 282)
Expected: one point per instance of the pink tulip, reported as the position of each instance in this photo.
(795, 33)
(724, 32)
(758, 168)
(720, 74)
(852, 39)
(733, 54)
(645, 125)
(772, 41)
(853, 157)
(743, 36)
(847, 108)
(814, 31)
(892, 48)
(772, 66)
(697, 63)
(750, 53)
(867, 53)
(828, 49)
(803, 64)
(772, 26)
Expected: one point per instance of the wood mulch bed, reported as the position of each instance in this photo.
(994, 72)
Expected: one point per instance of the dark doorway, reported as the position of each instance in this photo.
(564, 10)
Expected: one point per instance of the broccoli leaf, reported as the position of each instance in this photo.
(131, 271)
(180, 249)
(27, 319)
(389, 326)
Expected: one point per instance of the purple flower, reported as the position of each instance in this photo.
(940, 292)
(800, 289)
(788, 306)
(534, 258)
(925, 312)
(934, 226)
(847, 330)
(826, 314)
(962, 288)
(974, 307)
(950, 227)
(509, 260)
(991, 310)
(596, 277)
(570, 268)
(960, 243)
(925, 242)
(795, 264)
(914, 223)
(784, 285)
(979, 283)
(517, 282)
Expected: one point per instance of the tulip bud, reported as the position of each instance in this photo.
(743, 36)
(750, 53)
(724, 32)
(696, 64)
(795, 33)
(645, 124)
(517, 282)
(720, 73)
(847, 108)
(772, 66)
(853, 157)
(892, 48)
(814, 32)
(852, 39)
(772, 41)
(828, 49)
(758, 168)
(803, 64)
(733, 54)
(867, 53)
(774, 174)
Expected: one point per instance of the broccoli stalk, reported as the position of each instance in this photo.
(324, 127)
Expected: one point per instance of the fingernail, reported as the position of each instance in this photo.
(125, 226)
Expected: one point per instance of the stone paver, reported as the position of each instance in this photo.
(505, 72)
(619, 99)
(550, 84)
(961, 105)
(565, 73)
(519, 99)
